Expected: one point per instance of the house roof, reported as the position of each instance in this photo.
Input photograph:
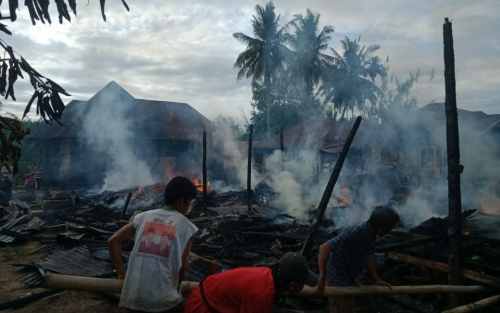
(318, 133)
(149, 119)
(427, 126)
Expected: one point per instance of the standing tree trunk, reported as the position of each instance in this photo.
(267, 86)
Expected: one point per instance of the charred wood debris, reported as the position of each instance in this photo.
(73, 227)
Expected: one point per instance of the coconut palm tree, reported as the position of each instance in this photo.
(264, 54)
(350, 81)
(308, 62)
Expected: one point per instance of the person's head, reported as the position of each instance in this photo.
(150, 234)
(164, 238)
(383, 219)
(179, 193)
(293, 272)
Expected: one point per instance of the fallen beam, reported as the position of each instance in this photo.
(407, 243)
(22, 301)
(475, 306)
(67, 282)
(443, 267)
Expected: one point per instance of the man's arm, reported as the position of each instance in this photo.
(184, 259)
(115, 248)
(372, 270)
(324, 253)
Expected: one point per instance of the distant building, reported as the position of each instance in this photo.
(111, 124)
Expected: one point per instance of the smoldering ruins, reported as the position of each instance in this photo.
(116, 154)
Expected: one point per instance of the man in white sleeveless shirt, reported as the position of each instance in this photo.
(152, 280)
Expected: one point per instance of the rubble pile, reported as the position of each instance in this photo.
(74, 228)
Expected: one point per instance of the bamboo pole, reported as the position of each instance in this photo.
(475, 306)
(394, 290)
(67, 282)
(443, 267)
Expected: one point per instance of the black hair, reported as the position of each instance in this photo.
(385, 217)
(179, 187)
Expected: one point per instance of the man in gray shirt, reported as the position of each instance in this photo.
(342, 259)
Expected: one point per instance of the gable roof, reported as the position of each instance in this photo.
(148, 118)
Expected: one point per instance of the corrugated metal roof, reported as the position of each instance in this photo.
(152, 119)
(77, 261)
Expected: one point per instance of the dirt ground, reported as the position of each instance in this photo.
(65, 301)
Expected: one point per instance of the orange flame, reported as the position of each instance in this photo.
(137, 192)
(199, 185)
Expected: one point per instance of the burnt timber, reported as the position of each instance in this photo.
(74, 240)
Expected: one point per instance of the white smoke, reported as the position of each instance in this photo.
(108, 136)
(292, 179)
(235, 162)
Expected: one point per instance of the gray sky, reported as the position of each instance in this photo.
(184, 50)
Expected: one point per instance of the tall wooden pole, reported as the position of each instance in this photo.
(40, 156)
(249, 173)
(204, 171)
(307, 246)
(282, 147)
(454, 166)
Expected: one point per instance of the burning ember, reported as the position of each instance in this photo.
(345, 194)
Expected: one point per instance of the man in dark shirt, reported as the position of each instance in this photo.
(343, 258)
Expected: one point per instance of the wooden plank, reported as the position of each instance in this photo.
(443, 267)
(475, 306)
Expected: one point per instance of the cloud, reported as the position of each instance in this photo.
(184, 51)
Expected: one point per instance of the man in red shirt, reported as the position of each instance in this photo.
(251, 289)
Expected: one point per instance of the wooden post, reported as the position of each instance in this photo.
(282, 147)
(454, 166)
(306, 248)
(249, 173)
(125, 207)
(40, 156)
(204, 171)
